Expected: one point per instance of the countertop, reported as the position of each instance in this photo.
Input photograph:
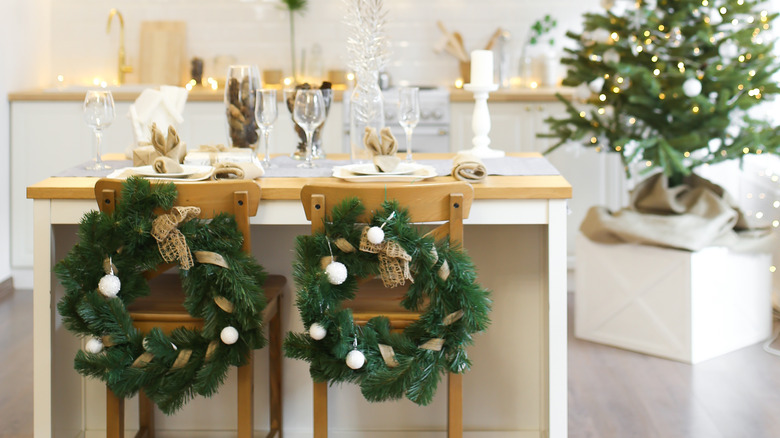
(129, 94)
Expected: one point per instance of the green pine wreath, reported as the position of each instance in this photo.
(457, 308)
(170, 369)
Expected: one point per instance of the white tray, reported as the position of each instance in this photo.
(345, 173)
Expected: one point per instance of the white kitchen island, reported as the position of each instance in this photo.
(516, 236)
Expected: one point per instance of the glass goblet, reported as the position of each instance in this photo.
(408, 114)
(309, 113)
(265, 114)
(99, 112)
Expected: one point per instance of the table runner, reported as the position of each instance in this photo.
(285, 166)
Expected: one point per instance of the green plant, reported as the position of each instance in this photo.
(540, 28)
(294, 6)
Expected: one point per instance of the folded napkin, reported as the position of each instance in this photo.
(237, 171)
(167, 165)
(161, 146)
(468, 167)
(383, 151)
(163, 107)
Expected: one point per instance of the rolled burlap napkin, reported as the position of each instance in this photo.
(236, 171)
(468, 167)
(166, 165)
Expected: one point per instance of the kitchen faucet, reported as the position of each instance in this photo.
(123, 68)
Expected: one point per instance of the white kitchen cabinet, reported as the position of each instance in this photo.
(48, 137)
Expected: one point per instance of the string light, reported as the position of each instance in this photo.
(602, 97)
(594, 140)
(662, 96)
(632, 121)
(661, 27)
(686, 154)
(695, 109)
(582, 114)
(615, 36)
(745, 150)
(654, 58)
(648, 163)
(656, 72)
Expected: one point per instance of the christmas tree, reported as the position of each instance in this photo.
(669, 83)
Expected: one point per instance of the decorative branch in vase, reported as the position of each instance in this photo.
(294, 6)
(368, 50)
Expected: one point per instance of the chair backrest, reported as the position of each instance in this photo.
(241, 198)
(426, 202)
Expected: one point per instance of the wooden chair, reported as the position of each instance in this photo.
(164, 307)
(448, 202)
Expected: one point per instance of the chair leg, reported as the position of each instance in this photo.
(115, 415)
(320, 409)
(455, 405)
(275, 370)
(145, 416)
(246, 408)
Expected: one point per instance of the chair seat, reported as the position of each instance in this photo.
(164, 306)
(374, 299)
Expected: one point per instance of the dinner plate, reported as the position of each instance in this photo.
(187, 170)
(370, 169)
(422, 172)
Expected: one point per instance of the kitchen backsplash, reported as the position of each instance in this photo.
(257, 32)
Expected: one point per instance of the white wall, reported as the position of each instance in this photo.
(24, 50)
(257, 32)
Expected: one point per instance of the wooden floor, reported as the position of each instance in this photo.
(612, 393)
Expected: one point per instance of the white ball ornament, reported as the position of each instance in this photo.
(692, 87)
(728, 50)
(355, 359)
(596, 85)
(375, 235)
(611, 56)
(317, 331)
(109, 285)
(229, 335)
(337, 273)
(94, 346)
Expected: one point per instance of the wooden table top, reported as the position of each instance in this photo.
(493, 187)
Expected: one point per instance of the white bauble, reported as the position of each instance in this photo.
(109, 285)
(715, 17)
(355, 359)
(713, 96)
(601, 35)
(611, 56)
(582, 92)
(691, 87)
(317, 331)
(596, 85)
(229, 335)
(715, 144)
(94, 346)
(375, 235)
(587, 38)
(728, 50)
(337, 273)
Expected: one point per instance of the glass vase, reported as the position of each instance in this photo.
(366, 109)
(241, 85)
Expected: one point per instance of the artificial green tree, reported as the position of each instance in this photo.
(669, 83)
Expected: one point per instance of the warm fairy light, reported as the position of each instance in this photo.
(615, 36)
(647, 33)
(707, 19)
(722, 10)
(661, 27)
(288, 81)
(602, 111)
(350, 76)
(740, 87)
(615, 90)
(776, 204)
(754, 92)
(776, 223)
(598, 148)
(620, 80)
(213, 82)
(696, 51)
(639, 49)
(750, 20)
(60, 78)
(686, 154)
(704, 2)
(745, 150)
(662, 96)
(618, 148)
(582, 114)
(759, 215)
(761, 195)
(656, 72)
(740, 2)
(459, 83)
(734, 22)
(632, 121)
(723, 153)
(741, 58)
(594, 140)
(648, 41)
(654, 58)
(695, 109)
(648, 163)
(602, 97)
(719, 67)
(534, 84)
(772, 269)
(749, 196)
(606, 76)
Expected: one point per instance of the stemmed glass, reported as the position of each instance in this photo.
(408, 114)
(99, 112)
(265, 114)
(309, 113)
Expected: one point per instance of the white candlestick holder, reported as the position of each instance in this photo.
(480, 121)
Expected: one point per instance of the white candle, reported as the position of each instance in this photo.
(482, 67)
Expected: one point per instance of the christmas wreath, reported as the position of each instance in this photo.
(104, 273)
(385, 364)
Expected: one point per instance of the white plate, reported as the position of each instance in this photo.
(187, 170)
(422, 172)
(370, 169)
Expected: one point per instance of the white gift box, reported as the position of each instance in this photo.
(681, 305)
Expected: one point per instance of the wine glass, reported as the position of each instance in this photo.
(265, 114)
(309, 113)
(99, 112)
(408, 114)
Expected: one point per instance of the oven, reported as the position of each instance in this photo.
(432, 133)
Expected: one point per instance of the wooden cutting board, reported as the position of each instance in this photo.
(163, 53)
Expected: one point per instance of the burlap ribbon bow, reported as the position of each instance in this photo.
(383, 150)
(393, 260)
(171, 241)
